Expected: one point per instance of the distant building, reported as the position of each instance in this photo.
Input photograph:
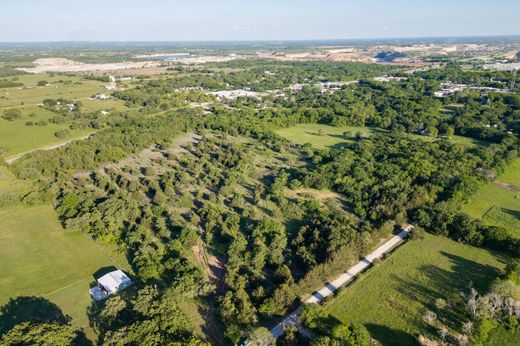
(386, 79)
(233, 94)
(109, 284)
(449, 88)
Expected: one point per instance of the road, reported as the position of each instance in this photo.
(11, 159)
(333, 286)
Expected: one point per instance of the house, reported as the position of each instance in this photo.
(109, 284)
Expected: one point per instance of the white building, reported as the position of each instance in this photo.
(109, 284)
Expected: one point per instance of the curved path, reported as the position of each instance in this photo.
(12, 159)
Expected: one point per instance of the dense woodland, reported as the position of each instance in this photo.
(228, 191)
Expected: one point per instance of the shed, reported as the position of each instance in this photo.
(110, 283)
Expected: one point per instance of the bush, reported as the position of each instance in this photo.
(62, 133)
(29, 123)
(42, 123)
(42, 83)
(12, 114)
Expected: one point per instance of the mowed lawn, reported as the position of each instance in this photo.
(38, 258)
(324, 136)
(391, 298)
(321, 136)
(498, 203)
(17, 137)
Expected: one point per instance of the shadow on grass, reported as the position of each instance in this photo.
(30, 309)
(390, 337)
(212, 327)
(513, 213)
(447, 284)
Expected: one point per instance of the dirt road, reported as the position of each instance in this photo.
(9, 160)
(331, 287)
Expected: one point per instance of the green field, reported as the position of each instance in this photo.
(17, 137)
(110, 104)
(30, 94)
(498, 203)
(392, 297)
(324, 136)
(38, 258)
(328, 138)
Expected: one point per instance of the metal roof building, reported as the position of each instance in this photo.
(110, 283)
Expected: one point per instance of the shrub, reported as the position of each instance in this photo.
(62, 133)
(12, 114)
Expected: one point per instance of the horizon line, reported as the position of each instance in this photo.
(269, 40)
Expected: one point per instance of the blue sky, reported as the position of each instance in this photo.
(161, 20)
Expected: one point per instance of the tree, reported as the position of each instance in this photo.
(261, 337)
(449, 132)
(351, 335)
(440, 303)
(45, 334)
(429, 317)
(432, 131)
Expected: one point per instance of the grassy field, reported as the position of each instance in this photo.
(392, 297)
(18, 137)
(321, 136)
(503, 337)
(38, 258)
(325, 136)
(95, 105)
(30, 94)
(498, 203)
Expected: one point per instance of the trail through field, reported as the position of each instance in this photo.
(330, 287)
(12, 159)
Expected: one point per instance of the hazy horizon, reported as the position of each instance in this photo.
(232, 20)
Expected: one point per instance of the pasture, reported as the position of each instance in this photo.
(17, 137)
(79, 90)
(391, 298)
(324, 136)
(38, 258)
(498, 203)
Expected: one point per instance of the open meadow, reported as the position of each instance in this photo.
(17, 137)
(77, 89)
(39, 259)
(325, 136)
(27, 132)
(498, 203)
(391, 298)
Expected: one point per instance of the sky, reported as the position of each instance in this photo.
(247, 20)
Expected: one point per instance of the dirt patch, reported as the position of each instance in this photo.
(67, 65)
(213, 265)
(507, 186)
(320, 195)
